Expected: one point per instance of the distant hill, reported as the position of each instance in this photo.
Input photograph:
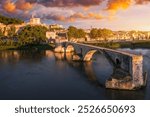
(6, 20)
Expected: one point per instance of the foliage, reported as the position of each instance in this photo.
(32, 35)
(7, 21)
(1, 33)
(101, 33)
(55, 29)
(8, 42)
(12, 31)
(73, 32)
(94, 33)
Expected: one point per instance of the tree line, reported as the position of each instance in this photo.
(26, 36)
(6, 20)
(32, 35)
(101, 33)
(74, 32)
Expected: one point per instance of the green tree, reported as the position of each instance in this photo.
(74, 32)
(105, 33)
(9, 42)
(80, 33)
(12, 32)
(94, 33)
(101, 33)
(1, 33)
(32, 35)
(6, 20)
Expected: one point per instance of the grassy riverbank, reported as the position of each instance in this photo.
(28, 47)
(112, 45)
(116, 45)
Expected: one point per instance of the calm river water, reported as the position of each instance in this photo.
(47, 75)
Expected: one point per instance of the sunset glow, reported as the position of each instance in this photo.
(113, 14)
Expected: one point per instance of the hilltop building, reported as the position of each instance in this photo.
(54, 28)
(35, 21)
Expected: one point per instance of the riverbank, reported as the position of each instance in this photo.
(112, 45)
(116, 45)
(28, 47)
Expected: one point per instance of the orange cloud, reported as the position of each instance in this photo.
(115, 5)
(80, 15)
(9, 6)
(95, 16)
(21, 8)
(75, 16)
(142, 1)
(23, 5)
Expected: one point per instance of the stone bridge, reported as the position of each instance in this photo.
(128, 68)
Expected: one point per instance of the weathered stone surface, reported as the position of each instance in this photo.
(120, 79)
(137, 71)
(69, 49)
(128, 68)
(89, 55)
(76, 58)
(59, 49)
(117, 84)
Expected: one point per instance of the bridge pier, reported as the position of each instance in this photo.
(59, 49)
(137, 70)
(128, 68)
(124, 80)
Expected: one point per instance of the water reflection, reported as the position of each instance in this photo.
(87, 67)
(15, 56)
(49, 75)
(8, 55)
(49, 54)
(91, 75)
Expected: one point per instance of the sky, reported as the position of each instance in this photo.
(112, 14)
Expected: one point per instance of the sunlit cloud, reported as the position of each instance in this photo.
(73, 11)
(9, 6)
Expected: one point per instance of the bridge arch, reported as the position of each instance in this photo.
(130, 65)
(89, 55)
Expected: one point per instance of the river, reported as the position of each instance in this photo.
(45, 75)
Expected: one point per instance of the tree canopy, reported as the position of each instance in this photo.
(74, 32)
(1, 33)
(32, 34)
(12, 31)
(101, 33)
(6, 20)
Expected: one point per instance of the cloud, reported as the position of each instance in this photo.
(74, 17)
(64, 10)
(89, 15)
(65, 15)
(115, 5)
(16, 8)
(9, 6)
(23, 5)
(66, 3)
(142, 1)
